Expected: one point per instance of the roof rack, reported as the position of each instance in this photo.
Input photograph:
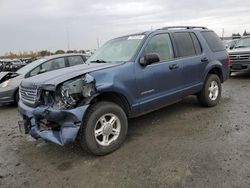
(183, 27)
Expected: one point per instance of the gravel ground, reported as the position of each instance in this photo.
(183, 145)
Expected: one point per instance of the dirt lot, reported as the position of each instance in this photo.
(183, 145)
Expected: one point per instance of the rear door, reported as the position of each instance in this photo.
(190, 54)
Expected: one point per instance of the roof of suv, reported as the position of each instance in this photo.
(172, 28)
(182, 27)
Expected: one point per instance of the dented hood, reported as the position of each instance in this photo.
(53, 78)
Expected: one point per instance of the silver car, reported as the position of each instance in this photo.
(10, 81)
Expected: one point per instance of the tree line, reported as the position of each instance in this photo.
(245, 33)
(41, 53)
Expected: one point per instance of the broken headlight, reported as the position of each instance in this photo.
(5, 83)
(75, 90)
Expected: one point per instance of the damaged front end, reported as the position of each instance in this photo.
(55, 113)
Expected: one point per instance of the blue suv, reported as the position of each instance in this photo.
(127, 77)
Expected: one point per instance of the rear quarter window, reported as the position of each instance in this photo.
(75, 60)
(196, 43)
(213, 41)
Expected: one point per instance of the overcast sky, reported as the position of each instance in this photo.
(43, 24)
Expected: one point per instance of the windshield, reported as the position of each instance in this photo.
(117, 50)
(30, 66)
(244, 42)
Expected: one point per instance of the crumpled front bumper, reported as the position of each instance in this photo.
(69, 122)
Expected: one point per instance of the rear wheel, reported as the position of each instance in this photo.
(104, 129)
(211, 92)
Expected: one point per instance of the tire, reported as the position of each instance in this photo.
(94, 121)
(208, 98)
(16, 97)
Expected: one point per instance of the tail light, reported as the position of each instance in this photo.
(228, 60)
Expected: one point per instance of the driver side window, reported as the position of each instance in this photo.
(160, 44)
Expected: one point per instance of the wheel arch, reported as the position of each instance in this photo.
(217, 70)
(114, 97)
(14, 94)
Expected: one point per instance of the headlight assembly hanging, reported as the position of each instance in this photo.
(74, 90)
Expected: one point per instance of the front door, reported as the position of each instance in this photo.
(158, 84)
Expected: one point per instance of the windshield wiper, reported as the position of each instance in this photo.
(98, 61)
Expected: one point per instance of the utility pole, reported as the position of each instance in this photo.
(98, 42)
(68, 39)
(223, 31)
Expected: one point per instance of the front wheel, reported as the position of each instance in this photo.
(16, 97)
(211, 92)
(104, 129)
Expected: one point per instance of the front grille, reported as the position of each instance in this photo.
(240, 57)
(28, 95)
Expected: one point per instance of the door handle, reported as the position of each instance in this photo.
(173, 66)
(204, 60)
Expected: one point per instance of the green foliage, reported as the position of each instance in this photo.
(70, 51)
(82, 51)
(41, 53)
(44, 53)
(245, 33)
(60, 52)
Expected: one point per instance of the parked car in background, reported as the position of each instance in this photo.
(5, 64)
(126, 77)
(10, 81)
(240, 55)
(16, 64)
(229, 44)
(11, 64)
(2, 64)
(27, 60)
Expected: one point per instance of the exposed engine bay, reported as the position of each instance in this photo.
(71, 94)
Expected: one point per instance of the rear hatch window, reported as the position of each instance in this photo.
(213, 41)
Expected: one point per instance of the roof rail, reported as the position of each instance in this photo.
(183, 27)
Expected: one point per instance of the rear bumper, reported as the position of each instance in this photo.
(7, 95)
(68, 122)
(240, 67)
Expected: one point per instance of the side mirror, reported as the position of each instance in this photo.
(149, 59)
(42, 71)
(231, 46)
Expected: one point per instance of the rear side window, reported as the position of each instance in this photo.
(75, 60)
(197, 45)
(213, 41)
(54, 64)
(185, 44)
